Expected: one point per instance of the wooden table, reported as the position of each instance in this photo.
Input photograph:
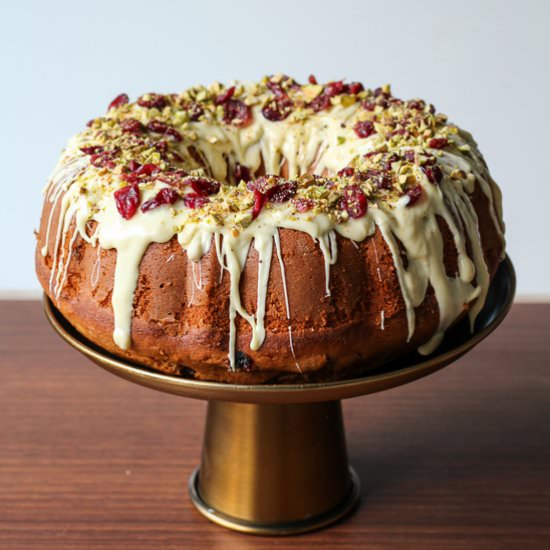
(460, 459)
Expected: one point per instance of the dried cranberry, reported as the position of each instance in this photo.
(311, 79)
(237, 113)
(320, 103)
(382, 180)
(416, 104)
(438, 143)
(242, 173)
(195, 111)
(103, 159)
(159, 127)
(259, 201)
(368, 105)
(174, 178)
(346, 172)
(156, 101)
(364, 128)
(433, 173)
(172, 132)
(414, 194)
(92, 149)
(202, 186)
(276, 110)
(282, 192)
(225, 96)
(147, 170)
(303, 205)
(131, 126)
(167, 195)
(191, 200)
(132, 166)
(243, 361)
(355, 87)
(121, 99)
(127, 200)
(335, 88)
(354, 201)
(409, 155)
(277, 90)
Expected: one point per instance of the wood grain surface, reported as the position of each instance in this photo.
(460, 459)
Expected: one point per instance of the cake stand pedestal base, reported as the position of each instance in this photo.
(274, 468)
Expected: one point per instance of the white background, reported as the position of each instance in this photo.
(484, 63)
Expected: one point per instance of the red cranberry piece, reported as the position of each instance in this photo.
(346, 172)
(202, 186)
(282, 192)
(242, 173)
(92, 149)
(259, 201)
(121, 99)
(277, 90)
(243, 362)
(147, 170)
(433, 173)
(335, 88)
(172, 132)
(196, 110)
(237, 113)
(104, 159)
(164, 196)
(156, 101)
(225, 96)
(320, 103)
(127, 200)
(438, 143)
(133, 165)
(418, 105)
(364, 128)
(303, 205)
(409, 155)
(159, 127)
(311, 79)
(174, 178)
(355, 87)
(414, 194)
(131, 126)
(387, 162)
(191, 200)
(354, 201)
(368, 105)
(276, 111)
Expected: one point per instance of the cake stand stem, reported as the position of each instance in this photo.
(274, 468)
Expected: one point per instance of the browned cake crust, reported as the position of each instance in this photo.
(179, 330)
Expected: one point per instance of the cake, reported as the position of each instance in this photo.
(269, 232)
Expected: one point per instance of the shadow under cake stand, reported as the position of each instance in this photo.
(274, 459)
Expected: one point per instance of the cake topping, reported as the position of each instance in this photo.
(230, 165)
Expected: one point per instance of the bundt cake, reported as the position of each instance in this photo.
(269, 232)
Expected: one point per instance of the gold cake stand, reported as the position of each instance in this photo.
(274, 459)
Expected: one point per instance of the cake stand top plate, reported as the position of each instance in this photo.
(458, 340)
